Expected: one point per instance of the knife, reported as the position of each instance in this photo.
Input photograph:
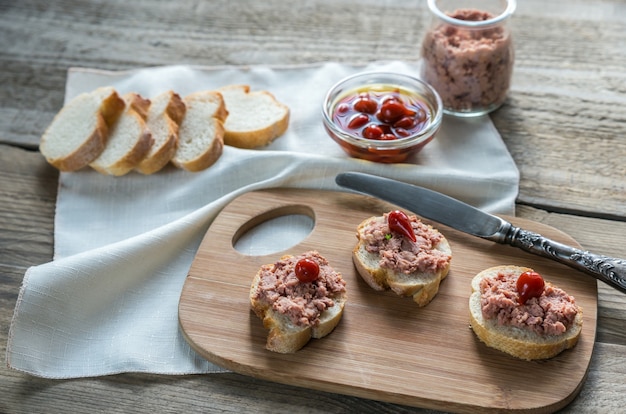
(461, 216)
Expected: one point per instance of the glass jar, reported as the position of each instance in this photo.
(467, 54)
(421, 115)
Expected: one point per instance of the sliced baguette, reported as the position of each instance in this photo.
(163, 120)
(254, 118)
(284, 336)
(129, 140)
(421, 286)
(201, 133)
(515, 341)
(79, 132)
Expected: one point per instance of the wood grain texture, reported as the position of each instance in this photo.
(603, 390)
(567, 97)
(28, 188)
(563, 123)
(384, 346)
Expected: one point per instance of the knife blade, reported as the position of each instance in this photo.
(454, 213)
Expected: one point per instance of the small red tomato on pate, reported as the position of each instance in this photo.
(529, 285)
(307, 270)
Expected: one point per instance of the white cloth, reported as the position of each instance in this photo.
(108, 302)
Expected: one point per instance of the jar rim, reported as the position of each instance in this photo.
(510, 8)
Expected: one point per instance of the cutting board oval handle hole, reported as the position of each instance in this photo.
(274, 230)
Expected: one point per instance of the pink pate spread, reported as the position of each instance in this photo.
(301, 302)
(402, 255)
(468, 68)
(552, 313)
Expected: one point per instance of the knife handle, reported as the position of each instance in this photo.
(607, 269)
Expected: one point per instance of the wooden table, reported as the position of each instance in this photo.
(564, 123)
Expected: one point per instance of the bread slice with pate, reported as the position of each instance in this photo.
(79, 132)
(541, 328)
(387, 260)
(201, 133)
(163, 120)
(295, 311)
(255, 119)
(129, 140)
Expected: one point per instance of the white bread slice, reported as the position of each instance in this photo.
(201, 133)
(166, 112)
(514, 341)
(79, 132)
(129, 140)
(284, 336)
(254, 118)
(421, 286)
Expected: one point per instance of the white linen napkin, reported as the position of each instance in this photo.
(108, 302)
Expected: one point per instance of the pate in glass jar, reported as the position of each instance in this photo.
(467, 54)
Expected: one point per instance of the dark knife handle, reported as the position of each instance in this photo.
(607, 269)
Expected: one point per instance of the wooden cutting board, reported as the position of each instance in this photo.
(385, 347)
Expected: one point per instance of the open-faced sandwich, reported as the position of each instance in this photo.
(514, 310)
(399, 252)
(297, 298)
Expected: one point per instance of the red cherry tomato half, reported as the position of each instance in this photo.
(307, 270)
(399, 114)
(372, 131)
(357, 121)
(402, 133)
(529, 285)
(365, 105)
(343, 108)
(389, 98)
(388, 137)
(399, 223)
(391, 111)
(405, 122)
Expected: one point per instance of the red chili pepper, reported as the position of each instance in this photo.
(399, 223)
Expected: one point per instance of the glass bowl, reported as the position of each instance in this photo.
(404, 131)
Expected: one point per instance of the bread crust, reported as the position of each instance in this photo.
(284, 336)
(91, 148)
(515, 341)
(127, 163)
(162, 152)
(265, 131)
(209, 154)
(112, 106)
(148, 158)
(137, 103)
(140, 144)
(421, 286)
(176, 108)
(162, 155)
(107, 106)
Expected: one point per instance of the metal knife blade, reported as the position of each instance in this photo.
(461, 216)
(427, 203)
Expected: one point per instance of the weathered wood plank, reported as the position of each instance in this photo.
(28, 188)
(564, 124)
